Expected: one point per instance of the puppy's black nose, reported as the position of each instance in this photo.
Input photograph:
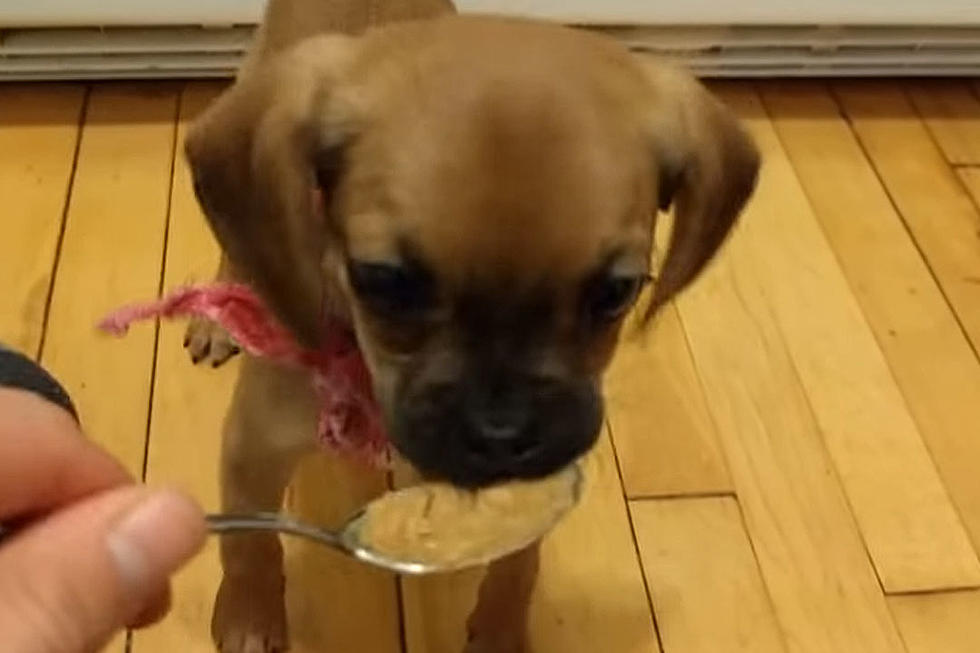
(503, 425)
(499, 424)
(500, 428)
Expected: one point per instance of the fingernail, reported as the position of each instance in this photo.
(155, 538)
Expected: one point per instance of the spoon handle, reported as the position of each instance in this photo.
(272, 522)
(251, 523)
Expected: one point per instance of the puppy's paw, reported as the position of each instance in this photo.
(496, 644)
(250, 616)
(207, 341)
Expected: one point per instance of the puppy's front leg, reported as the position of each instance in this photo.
(271, 424)
(499, 624)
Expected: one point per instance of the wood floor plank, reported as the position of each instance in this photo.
(333, 603)
(931, 359)
(665, 440)
(436, 609)
(939, 623)
(188, 408)
(112, 253)
(703, 577)
(824, 590)
(971, 180)
(912, 532)
(38, 134)
(757, 389)
(591, 589)
(951, 111)
(938, 211)
(590, 595)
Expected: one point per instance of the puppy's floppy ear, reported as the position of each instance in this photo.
(258, 156)
(707, 167)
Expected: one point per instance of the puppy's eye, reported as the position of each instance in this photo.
(394, 290)
(608, 298)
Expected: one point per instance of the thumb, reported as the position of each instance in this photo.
(70, 582)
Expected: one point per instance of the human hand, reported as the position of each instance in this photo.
(95, 552)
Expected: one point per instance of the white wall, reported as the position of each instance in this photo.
(945, 12)
(786, 12)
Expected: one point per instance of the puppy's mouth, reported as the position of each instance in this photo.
(447, 436)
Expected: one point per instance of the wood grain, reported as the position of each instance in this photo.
(951, 111)
(664, 437)
(333, 603)
(436, 609)
(591, 588)
(946, 622)
(926, 191)
(914, 536)
(189, 404)
(703, 577)
(113, 247)
(825, 593)
(925, 347)
(111, 254)
(38, 133)
(971, 180)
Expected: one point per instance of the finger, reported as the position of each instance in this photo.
(69, 583)
(45, 462)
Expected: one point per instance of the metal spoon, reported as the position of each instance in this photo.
(350, 540)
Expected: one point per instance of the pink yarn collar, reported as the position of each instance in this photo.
(350, 420)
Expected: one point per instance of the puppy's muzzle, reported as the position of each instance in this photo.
(473, 433)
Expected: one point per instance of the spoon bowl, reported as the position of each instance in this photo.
(434, 528)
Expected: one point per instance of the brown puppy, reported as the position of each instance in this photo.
(483, 215)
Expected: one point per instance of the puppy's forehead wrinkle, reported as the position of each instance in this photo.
(503, 157)
(512, 204)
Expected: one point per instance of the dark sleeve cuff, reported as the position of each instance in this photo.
(20, 372)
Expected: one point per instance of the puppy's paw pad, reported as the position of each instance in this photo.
(206, 341)
(494, 645)
(250, 644)
(250, 617)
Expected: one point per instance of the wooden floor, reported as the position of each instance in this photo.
(794, 460)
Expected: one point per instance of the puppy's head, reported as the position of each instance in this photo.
(478, 198)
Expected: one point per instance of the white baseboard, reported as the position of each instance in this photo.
(750, 51)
